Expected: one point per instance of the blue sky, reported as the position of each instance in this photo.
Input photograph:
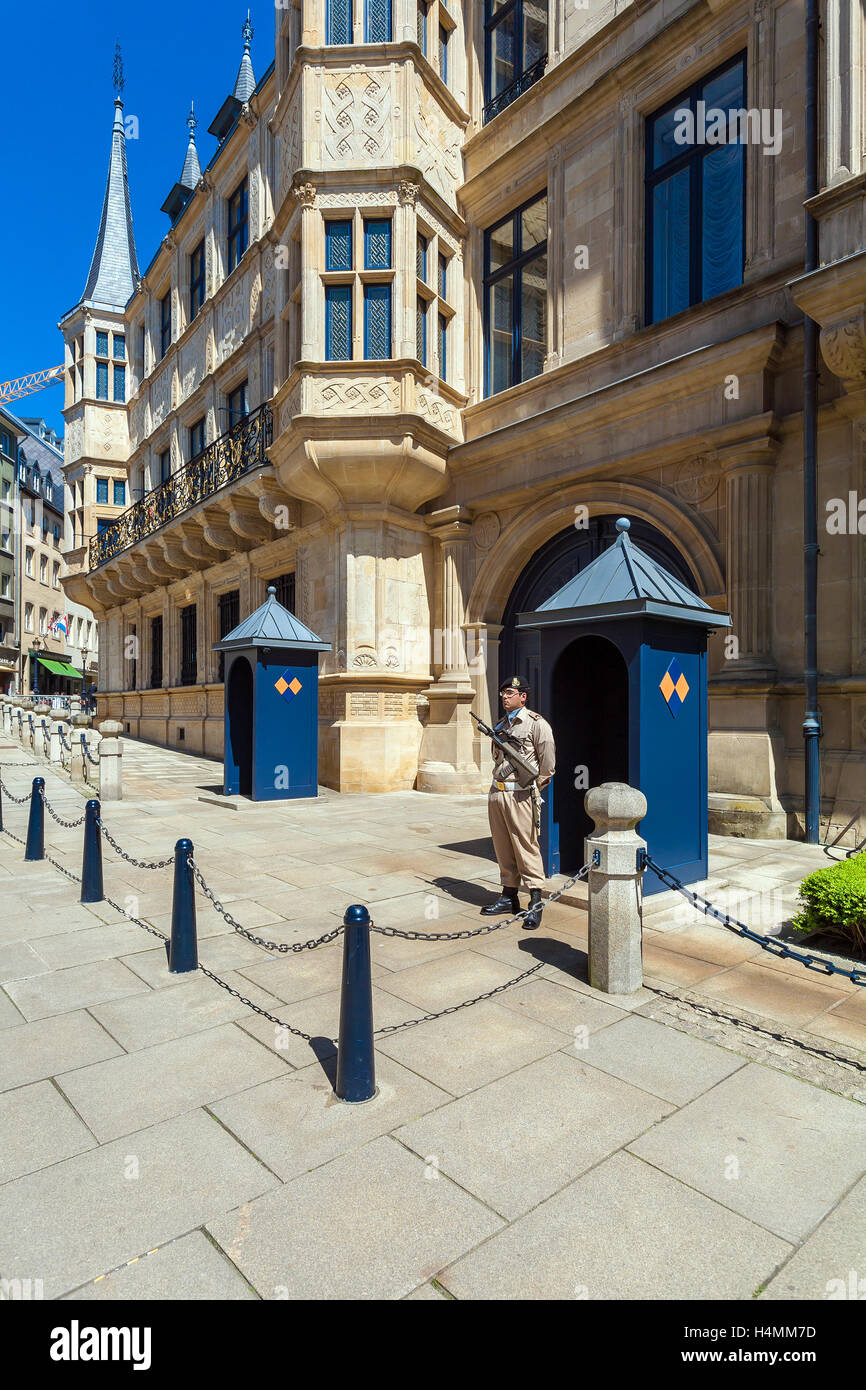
(58, 106)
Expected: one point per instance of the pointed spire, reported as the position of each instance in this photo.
(114, 274)
(191, 168)
(246, 82)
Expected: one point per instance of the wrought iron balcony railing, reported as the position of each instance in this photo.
(224, 460)
(515, 89)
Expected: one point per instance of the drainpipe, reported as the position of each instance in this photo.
(812, 720)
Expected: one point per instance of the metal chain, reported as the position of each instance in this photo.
(85, 750)
(138, 863)
(770, 944)
(19, 800)
(454, 1008)
(63, 742)
(477, 931)
(242, 999)
(282, 946)
(68, 824)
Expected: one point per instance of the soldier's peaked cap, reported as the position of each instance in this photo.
(514, 683)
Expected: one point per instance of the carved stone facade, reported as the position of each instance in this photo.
(406, 500)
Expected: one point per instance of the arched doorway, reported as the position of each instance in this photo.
(557, 561)
(590, 715)
(239, 778)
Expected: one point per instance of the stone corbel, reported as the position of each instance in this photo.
(218, 533)
(273, 504)
(157, 565)
(247, 521)
(843, 347)
(196, 547)
(175, 555)
(305, 193)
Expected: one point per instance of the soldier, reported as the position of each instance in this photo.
(515, 814)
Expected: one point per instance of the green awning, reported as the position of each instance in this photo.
(59, 668)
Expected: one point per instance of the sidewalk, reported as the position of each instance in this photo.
(159, 1139)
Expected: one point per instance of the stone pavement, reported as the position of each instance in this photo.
(703, 1137)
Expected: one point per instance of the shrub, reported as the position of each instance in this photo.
(834, 902)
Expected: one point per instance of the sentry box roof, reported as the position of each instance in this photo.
(623, 582)
(272, 625)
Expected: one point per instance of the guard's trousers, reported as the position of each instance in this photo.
(515, 839)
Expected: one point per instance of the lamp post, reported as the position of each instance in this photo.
(84, 651)
(36, 646)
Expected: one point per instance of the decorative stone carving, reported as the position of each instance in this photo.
(485, 530)
(408, 193)
(289, 145)
(161, 396)
(306, 194)
(433, 408)
(438, 144)
(843, 346)
(357, 118)
(697, 479)
(367, 393)
(365, 656)
(233, 319)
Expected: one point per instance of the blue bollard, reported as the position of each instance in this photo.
(35, 847)
(91, 868)
(183, 948)
(356, 1063)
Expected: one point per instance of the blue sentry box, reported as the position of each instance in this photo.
(271, 750)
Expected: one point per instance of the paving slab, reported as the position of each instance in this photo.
(85, 1216)
(622, 1231)
(296, 1123)
(319, 1016)
(129, 1093)
(440, 983)
(426, 1293)
(831, 1263)
(218, 953)
(771, 993)
(90, 944)
(518, 1140)
(9, 1015)
(660, 1060)
(62, 991)
(372, 1224)
(18, 960)
(778, 1150)
(302, 974)
(160, 1015)
(38, 1127)
(465, 1050)
(576, 1015)
(33, 1051)
(190, 1268)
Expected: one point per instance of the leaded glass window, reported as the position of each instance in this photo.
(377, 321)
(339, 22)
(196, 280)
(338, 245)
(119, 383)
(515, 297)
(102, 381)
(338, 323)
(377, 21)
(421, 330)
(377, 244)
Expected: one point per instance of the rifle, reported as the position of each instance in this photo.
(526, 771)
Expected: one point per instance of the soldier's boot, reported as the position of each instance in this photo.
(536, 907)
(507, 901)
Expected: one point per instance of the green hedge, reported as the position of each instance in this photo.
(834, 901)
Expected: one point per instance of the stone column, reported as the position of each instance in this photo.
(749, 486)
(447, 761)
(311, 234)
(615, 920)
(55, 752)
(842, 22)
(110, 756)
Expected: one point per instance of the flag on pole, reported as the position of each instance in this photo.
(60, 627)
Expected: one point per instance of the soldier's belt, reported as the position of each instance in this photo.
(507, 786)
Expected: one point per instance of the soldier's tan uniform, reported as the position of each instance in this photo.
(511, 811)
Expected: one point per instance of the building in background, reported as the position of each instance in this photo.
(452, 294)
(10, 432)
(58, 643)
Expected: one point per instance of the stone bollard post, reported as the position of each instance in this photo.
(110, 756)
(615, 897)
(54, 749)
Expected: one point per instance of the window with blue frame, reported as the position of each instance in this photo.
(696, 195)
(421, 257)
(119, 493)
(338, 27)
(377, 321)
(164, 466)
(377, 21)
(196, 438)
(102, 489)
(102, 381)
(515, 297)
(443, 276)
(119, 347)
(101, 523)
(338, 323)
(423, 11)
(196, 280)
(515, 50)
(443, 347)
(421, 330)
(443, 52)
(338, 245)
(164, 324)
(119, 383)
(102, 344)
(238, 224)
(377, 243)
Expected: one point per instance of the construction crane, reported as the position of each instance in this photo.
(26, 385)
